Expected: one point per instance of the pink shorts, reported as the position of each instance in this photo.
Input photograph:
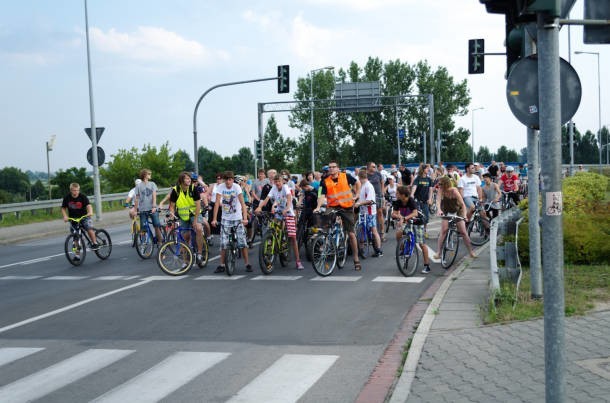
(291, 228)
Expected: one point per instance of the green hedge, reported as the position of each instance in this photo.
(586, 221)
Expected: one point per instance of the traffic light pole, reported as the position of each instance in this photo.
(195, 157)
(552, 206)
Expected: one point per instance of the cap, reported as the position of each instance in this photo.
(239, 178)
(325, 168)
(138, 181)
(393, 170)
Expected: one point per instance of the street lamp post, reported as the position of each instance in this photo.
(599, 106)
(313, 163)
(472, 129)
(50, 144)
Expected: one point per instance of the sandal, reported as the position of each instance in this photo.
(357, 266)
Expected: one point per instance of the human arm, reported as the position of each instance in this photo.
(244, 210)
(216, 206)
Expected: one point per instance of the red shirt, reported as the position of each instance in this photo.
(510, 184)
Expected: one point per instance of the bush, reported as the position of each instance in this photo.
(586, 221)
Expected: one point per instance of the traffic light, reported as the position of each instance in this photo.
(283, 79)
(515, 37)
(259, 149)
(476, 59)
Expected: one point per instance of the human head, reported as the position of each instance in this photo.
(304, 183)
(229, 177)
(278, 181)
(362, 175)
(74, 189)
(138, 181)
(445, 182)
(219, 177)
(184, 179)
(333, 168)
(261, 174)
(271, 173)
(468, 166)
(510, 169)
(144, 173)
(371, 167)
(487, 177)
(194, 176)
(403, 192)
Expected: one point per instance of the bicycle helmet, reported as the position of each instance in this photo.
(510, 168)
(238, 178)
(194, 176)
(325, 168)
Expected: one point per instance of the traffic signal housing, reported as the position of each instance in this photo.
(476, 58)
(283, 79)
(259, 149)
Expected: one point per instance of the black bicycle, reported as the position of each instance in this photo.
(76, 243)
(478, 228)
(146, 238)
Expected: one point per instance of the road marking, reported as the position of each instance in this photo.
(26, 262)
(10, 354)
(66, 278)
(276, 278)
(20, 277)
(209, 277)
(115, 277)
(286, 380)
(59, 375)
(163, 379)
(163, 278)
(72, 306)
(40, 259)
(398, 279)
(337, 278)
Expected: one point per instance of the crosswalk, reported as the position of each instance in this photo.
(287, 379)
(209, 277)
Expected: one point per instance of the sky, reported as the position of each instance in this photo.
(152, 59)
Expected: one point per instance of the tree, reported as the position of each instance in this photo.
(38, 190)
(63, 179)
(456, 147)
(243, 161)
(14, 181)
(279, 152)
(483, 155)
(506, 155)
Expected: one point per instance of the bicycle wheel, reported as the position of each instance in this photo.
(432, 207)
(388, 218)
(450, 249)
(266, 253)
(104, 242)
(134, 234)
(73, 247)
(309, 247)
(145, 244)
(341, 249)
(205, 254)
(407, 256)
(175, 258)
(364, 245)
(324, 257)
(477, 232)
(231, 258)
(253, 231)
(284, 252)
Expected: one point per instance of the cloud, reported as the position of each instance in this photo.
(157, 47)
(360, 5)
(314, 44)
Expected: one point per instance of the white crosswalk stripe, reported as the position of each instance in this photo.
(286, 380)
(59, 375)
(10, 354)
(154, 384)
(398, 279)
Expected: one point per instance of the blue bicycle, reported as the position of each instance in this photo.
(407, 256)
(146, 239)
(364, 235)
(177, 256)
(329, 245)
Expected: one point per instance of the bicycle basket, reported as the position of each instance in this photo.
(323, 221)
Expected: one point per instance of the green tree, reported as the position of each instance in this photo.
(38, 190)
(14, 181)
(279, 152)
(506, 155)
(456, 147)
(243, 161)
(483, 155)
(211, 163)
(63, 179)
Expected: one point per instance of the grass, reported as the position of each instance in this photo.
(584, 288)
(42, 215)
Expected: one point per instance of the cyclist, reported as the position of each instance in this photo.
(470, 188)
(450, 201)
(391, 188)
(234, 215)
(377, 179)
(421, 192)
(491, 195)
(76, 205)
(308, 200)
(202, 188)
(257, 187)
(509, 182)
(404, 209)
(130, 198)
(186, 202)
(338, 190)
(493, 169)
(282, 207)
(366, 203)
(146, 202)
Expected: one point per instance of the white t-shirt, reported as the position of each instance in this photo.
(229, 199)
(392, 191)
(469, 183)
(280, 199)
(367, 192)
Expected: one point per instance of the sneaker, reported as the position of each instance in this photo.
(220, 269)
(184, 264)
(210, 240)
(378, 253)
(300, 266)
(76, 257)
(198, 258)
(95, 246)
(426, 269)
(249, 268)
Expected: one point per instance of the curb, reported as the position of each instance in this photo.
(403, 386)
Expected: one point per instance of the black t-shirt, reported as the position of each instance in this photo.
(406, 208)
(406, 177)
(77, 206)
(350, 181)
(310, 199)
(422, 190)
(173, 197)
(493, 170)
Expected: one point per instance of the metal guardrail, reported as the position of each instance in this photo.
(48, 204)
(506, 224)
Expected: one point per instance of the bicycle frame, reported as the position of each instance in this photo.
(275, 242)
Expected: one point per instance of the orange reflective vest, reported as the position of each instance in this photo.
(338, 193)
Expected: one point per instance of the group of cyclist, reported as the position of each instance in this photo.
(367, 191)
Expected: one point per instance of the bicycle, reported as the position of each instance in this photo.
(507, 200)
(388, 214)
(407, 255)
(478, 228)
(304, 231)
(177, 255)
(74, 246)
(231, 252)
(451, 243)
(135, 229)
(364, 236)
(259, 225)
(432, 207)
(146, 238)
(329, 246)
(274, 242)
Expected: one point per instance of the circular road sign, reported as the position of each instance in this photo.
(522, 91)
(101, 156)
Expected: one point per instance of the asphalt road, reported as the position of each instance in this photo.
(121, 330)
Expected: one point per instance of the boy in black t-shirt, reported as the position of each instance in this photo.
(404, 209)
(76, 205)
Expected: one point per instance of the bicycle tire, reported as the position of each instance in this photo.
(341, 249)
(175, 258)
(231, 258)
(309, 247)
(477, 232)
(364, 243)
(388, 219)
(407, 256)
(134, 234)
(253, 231)
(451, 245)
(145, 244)
(432, 207)
(324, 256)
(74, 250)
(284, 252)
(266, 253)
(205, 254)
(104, 242)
